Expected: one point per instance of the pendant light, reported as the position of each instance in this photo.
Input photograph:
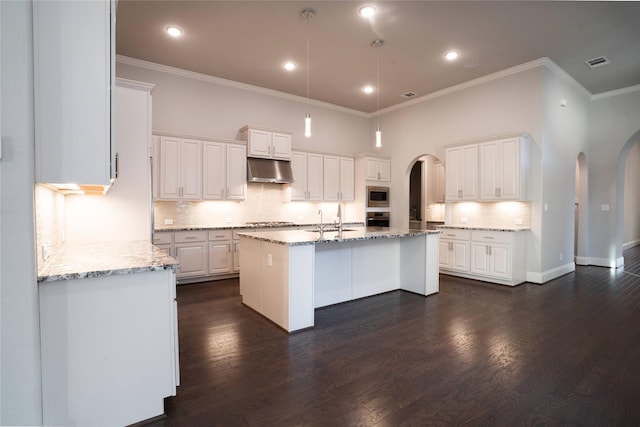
(307, 14)
(378, 43)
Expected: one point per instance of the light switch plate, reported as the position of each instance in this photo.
(604, 208)
(168, 221)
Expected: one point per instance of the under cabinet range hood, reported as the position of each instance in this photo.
(269, 170)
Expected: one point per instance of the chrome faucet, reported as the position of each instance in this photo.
(321, 225)
(339, 216)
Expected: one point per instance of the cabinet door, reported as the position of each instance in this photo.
(166, 248)
(236, 256)
(299, 167)
(470, 172)
(220, 257)
(281, 143)
(445, 253)
(155, 166)
(192, 258)
(331, 178)
(384, 170)
(314, 176)
(372, 169)
(346, 179)
(259, 143)
(170, 170)
(236, 172)
(191, 164)
(480, 258)
(213, 170)
(509, 182)
(460, 255)
(501, 261)
(489, 170)
(438, 188)
(453, 158)
(74, 78)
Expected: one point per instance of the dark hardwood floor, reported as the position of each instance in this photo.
(566, 353)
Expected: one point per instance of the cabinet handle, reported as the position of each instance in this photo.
(489, 237)
(486, 250)
(499, 192)
(490, 249)
(190, 238)
(460, 193)
(227, 193)
(117, 164)
(496, 192)
(221, 192)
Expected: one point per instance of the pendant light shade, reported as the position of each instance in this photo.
(378, 43)
(307, 14)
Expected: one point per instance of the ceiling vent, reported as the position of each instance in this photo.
(408, 95)
(598, 62)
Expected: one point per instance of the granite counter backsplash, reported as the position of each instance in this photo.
(104, 259)
(249, 225)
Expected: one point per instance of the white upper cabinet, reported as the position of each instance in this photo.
(439, 184)
(338, 178)
(378, 169)
(266, 143)
(180, 169)
(462, 172)
(308, 174)
(224, 171)
(74, 74)
(501, 162)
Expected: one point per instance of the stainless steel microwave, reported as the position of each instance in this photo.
(377, 197)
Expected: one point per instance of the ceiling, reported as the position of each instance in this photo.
(248, 42)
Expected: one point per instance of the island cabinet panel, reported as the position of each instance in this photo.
(333, 270)
(416, 275)
(109, 348)
(375, 267)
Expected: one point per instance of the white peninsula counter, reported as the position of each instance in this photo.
(286, 275)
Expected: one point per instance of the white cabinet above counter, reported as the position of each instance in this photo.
(267, 143)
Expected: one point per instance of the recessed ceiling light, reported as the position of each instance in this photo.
(289, 65)
(368, 89)
(367, 11)
(451, 55)
(173, 30)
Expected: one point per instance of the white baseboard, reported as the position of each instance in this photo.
(582, 260)
(606, 262)
(545, 276)
(630, 244)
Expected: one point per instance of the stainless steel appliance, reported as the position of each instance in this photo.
(377, 219)
(377, 197)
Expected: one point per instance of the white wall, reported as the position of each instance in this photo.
(197, 106)
(614, 127)
(631, 232)
(565, 136)
(20, 391)
(507, 105)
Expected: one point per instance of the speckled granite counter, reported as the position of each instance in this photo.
(312, 237)
(484, 227)
(104, 259)
(257, 225)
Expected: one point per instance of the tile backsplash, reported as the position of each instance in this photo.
(264, 202)
(506, 214)
(49, 210)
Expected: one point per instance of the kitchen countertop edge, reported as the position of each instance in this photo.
(105, 259)
(483, 228)
(244, 226)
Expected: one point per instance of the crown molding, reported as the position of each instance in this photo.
(623, 91)
(555, 68)
(237, 85)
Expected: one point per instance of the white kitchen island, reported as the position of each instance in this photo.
(286, 275)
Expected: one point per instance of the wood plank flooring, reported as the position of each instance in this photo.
(476, 354)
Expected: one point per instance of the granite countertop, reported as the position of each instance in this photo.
(485, 227)
(104, 259)
(305, 237)
(257, 224)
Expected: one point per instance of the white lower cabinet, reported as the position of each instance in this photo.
(220, 252)
(203, 254)
(454, 250)
(492, 256)
(109, 347)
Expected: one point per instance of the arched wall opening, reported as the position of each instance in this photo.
(426, 192)
(581, 227)
(627, 210)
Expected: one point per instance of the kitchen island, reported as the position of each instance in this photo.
(286, 275)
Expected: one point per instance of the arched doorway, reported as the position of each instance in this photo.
(628, 197)
(426, 192)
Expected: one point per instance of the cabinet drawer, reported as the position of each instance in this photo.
(190, 236)
(453, 234)
(162, 238)
(491, 236)
(220, 235)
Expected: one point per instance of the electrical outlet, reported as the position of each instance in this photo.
(519, 221)
(604, 208)
(464, 220)
(269, 260)
(168, 221)
(561, 256)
